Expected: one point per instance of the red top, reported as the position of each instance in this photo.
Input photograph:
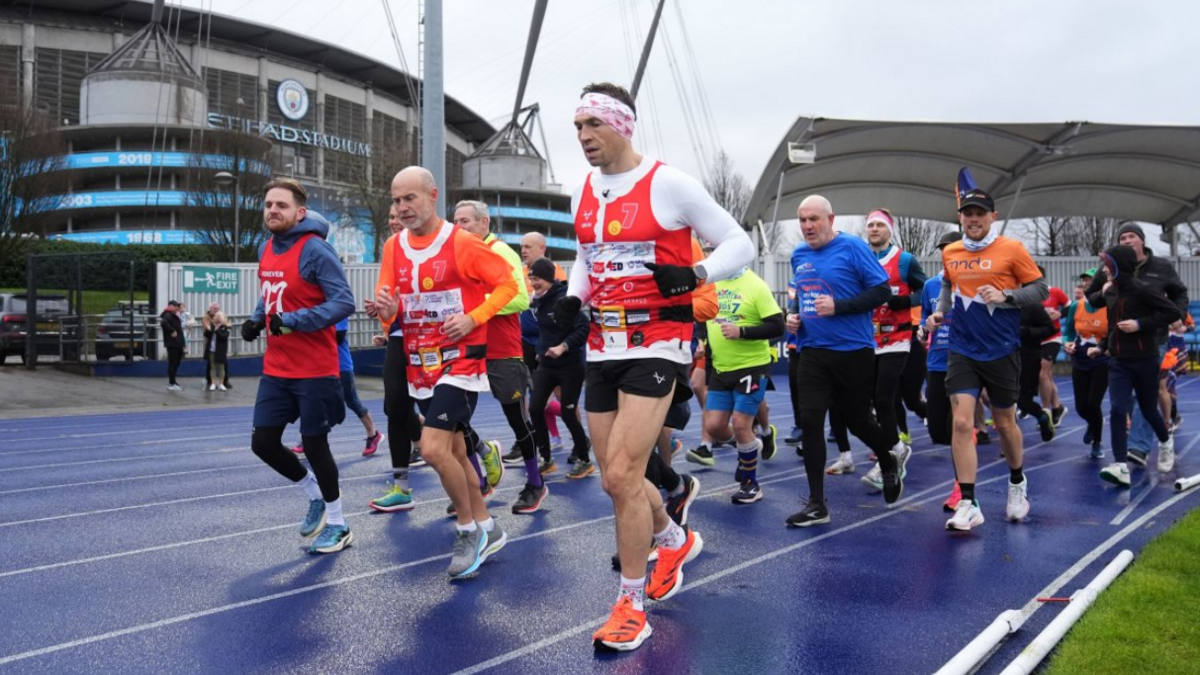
(618, 238)
(888, 324)
(295, 355)
(1057, 301)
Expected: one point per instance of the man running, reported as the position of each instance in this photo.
(937, 400)
(634, 219)
(988, 279)
(748, 318)
(508, 377)
(304, 293)
(1055, 306)
(839, 283)
(443, 277)
(893, 332)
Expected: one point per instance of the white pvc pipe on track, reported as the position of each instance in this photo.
(1031, 656)
(1187, 483)
(978, 649)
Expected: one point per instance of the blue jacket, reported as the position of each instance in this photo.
(551, 335)
(319, 265)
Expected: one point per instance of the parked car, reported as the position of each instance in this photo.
(116, 336)
(14, 318)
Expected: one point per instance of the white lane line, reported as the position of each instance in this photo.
(1153, 475)
(365, 575)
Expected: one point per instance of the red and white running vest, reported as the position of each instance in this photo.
(893, 329)
(630, 317)
(431, 289)
(295, 355)
(504, 330)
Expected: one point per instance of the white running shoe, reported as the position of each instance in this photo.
(1018, 500)
(966, 516)
(1166, 455)
(841, 465)
(212, 387)
(874, 478)
(1117, 473)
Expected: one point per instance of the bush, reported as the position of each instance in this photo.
(102, 273)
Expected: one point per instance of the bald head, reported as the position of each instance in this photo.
(414, 197)
(533, 246)
(816, 221)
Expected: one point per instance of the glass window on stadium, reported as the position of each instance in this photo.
(454, 167)
(57, 76)
(345, 119)
(10, 73)
(390, 150)
(230, 93)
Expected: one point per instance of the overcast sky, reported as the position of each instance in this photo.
(764, 63)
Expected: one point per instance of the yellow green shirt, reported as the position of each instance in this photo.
(744, 300)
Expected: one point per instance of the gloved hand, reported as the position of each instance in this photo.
(898, 302)
(565, 311)
(277, 327)
(251, 330)
(673, 280)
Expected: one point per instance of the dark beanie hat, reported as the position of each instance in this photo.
(1134, 228)
(543, 269)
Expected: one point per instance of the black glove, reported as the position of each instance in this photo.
(899, 302)
(251, 330)
(340, 335)
(277, 327)
(565, 311)
(673, 280)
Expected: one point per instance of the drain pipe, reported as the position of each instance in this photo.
(1081, 600)
(978, 649)
(1187, 483)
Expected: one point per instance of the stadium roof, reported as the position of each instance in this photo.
(232, 33)
(1144, 173)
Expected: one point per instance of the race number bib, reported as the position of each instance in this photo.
(433, 307)
(615, 260)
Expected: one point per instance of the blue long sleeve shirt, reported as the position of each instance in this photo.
(319, 265)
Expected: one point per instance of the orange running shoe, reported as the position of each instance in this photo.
(667, 577)
(625, 630)
(953, 500)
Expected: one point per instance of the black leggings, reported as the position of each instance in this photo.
(1090, 386)
(911, 382)
(888, 370)
(267, 443)
(938, 408)
(1031, 368)
(827, 375)
(174, 357)
(793, 366)
(660, 474)
(404, 426)
(570, 379)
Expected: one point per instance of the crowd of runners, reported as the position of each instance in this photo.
(661, 306)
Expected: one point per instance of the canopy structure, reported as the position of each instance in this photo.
(1143, 173)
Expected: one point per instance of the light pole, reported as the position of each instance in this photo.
(226, 178)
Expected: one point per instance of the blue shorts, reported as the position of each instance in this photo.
(737, 401)
(317, 402)
(350, 394)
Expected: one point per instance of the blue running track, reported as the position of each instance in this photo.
(157, 543)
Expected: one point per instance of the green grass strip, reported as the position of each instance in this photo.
(1148, 621)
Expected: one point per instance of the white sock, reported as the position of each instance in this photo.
(672, 537)
(309, 484)
(635, 590)
(488, 525)
(469, 527)
(847, 457)
(333, 513)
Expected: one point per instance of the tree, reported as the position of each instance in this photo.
(920, 236)
(209, 211)
(371, 181)
(728, 187)
(32, 177)
(1091, 234)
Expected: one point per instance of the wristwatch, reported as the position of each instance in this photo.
(701, 273)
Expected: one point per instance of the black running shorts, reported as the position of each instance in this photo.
(508, 378)
(1001, 378)
(1050, 351)
(449, 409)
(653, 378)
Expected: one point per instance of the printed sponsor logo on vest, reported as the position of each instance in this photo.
(272, 294)
(427, 284)
(972, 264)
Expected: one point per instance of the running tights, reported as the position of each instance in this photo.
(404, 425)
(570, 380)
(1090, 386)
(267, 443)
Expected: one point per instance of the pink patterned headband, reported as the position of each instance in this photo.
(881, 217)
(608, 110)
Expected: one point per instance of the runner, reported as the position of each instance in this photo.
(838, 284)
(1036, 327)
(748, 318)
(1086, 326)
(443, 276)
(508, 377)
(893, 334)
(634, 268)
(1136, 313)
(304, 293)
(1055, 305)
(988, 278)
(939, 419)
(350, 392)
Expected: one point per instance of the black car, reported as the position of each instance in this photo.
(122, 332)
(14, 323)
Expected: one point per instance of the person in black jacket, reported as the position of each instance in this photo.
(561, 357)
(1036, 326)
(1160, 275)
(172, 337)
(216, 347)
(1137, 312)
